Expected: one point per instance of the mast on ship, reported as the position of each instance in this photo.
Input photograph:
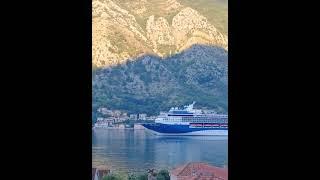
(190, 107)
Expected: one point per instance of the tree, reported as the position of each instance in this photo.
(163, 175)
(138, 177)
(143, 177)
(132, 177)
(115, 177)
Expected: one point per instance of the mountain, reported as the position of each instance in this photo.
(127, 28)
(149, 55)
(149, 84)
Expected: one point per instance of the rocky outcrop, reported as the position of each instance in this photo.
(159, 32)
(188, 23)
(118, 35)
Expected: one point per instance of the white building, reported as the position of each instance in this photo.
(142, 116)
(100, 119)
(152, 118)
(115, 113)
(104, 111)
(105, 121)
(133, 117)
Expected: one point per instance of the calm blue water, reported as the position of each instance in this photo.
(137, 150)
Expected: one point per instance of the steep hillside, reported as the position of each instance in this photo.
(149, 55)
(149, 84)
(125, 29)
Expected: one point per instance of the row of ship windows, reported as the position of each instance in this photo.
(204, 118)
(207, 121)
(198, 120)
(187, 120)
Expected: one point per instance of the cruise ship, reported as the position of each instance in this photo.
(189, 121)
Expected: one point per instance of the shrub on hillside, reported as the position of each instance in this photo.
(116, 176)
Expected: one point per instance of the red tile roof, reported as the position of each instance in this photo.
(200, 171)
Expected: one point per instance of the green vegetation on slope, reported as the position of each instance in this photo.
(150, 84)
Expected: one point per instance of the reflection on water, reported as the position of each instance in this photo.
(136, 150)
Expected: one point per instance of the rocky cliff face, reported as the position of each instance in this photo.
(122, 30)
(116, 34)
(150, 55)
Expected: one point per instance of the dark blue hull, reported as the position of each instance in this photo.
(185, 129)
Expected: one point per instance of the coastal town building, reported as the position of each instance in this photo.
(133, 117)
(112, 113)
(100, 119)
(116, 113)
(123, 117)
(142, 116)
(104, 111)
(110, 117)
(107, 121)
(198, 171)
(117, 120)
(150, 118)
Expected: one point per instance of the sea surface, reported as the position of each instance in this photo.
(130, 150)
